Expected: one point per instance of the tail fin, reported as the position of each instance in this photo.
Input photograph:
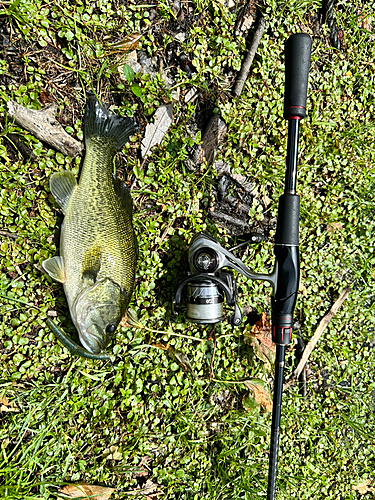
(100, 122)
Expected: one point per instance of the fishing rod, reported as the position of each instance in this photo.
(297, 64)
(205, 284)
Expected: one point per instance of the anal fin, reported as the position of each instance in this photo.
(123, 192)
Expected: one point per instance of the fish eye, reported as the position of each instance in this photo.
(110, 328)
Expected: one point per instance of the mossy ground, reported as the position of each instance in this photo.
(143, 417)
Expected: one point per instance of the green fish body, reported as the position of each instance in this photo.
(98, 249)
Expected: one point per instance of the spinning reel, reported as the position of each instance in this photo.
(206, 286)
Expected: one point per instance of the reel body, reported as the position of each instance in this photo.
(205, 287)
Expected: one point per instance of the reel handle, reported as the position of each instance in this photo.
(297, 64)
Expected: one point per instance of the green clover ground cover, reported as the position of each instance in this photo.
(66, 420)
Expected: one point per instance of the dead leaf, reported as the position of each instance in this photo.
(260, 393)
(85, 491)
(156, 131)
(302, 288)
(364, 487)
(150, 491)
(143, 471)
(6, 406)
(130, 42)
(161, 346)
(333, 227)
(262, 352)
(130, 320)
(260, 339)
(262, 331)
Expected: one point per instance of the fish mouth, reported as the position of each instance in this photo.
(92, 311)
(92, 339)
(73, 347)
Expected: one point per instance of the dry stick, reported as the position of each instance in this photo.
(44, 126)
(322, 326)
(246, 65)
(212, 334)
(227, 218)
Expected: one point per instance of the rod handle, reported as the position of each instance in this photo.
(285, 293)
(297, 64)
(287, 229)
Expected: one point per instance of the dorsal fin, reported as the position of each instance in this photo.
(62, 185)
(123, 192)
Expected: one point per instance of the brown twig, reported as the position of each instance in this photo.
(9, 235)
(311, 345)
(21, 147)
(227, 218)
(303, 381)
(246, 65)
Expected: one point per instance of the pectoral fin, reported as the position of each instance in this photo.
(123, 192)
(62, 185)
(55, 268)
(92, 259)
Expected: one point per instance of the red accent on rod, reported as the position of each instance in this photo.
(294, 118)
(283, 330)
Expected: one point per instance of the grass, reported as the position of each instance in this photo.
(67, 420)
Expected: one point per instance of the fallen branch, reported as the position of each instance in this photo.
(21, 147)
(44, 126)
(221, 216)
(246, 65)
(311, 345)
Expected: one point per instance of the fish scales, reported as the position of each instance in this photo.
(98, 250)
(96, 218)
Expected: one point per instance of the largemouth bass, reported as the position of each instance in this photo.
(98, 248)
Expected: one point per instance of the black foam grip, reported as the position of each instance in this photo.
(297, 64)
(287, 229)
